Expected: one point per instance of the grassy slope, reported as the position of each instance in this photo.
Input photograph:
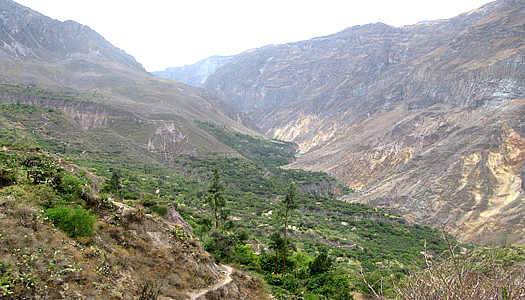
(354, 235)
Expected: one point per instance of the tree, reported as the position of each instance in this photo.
(75, 222)
(287, 207)
(277, 245)
(215, 198)
(114, 182)
(321, 264)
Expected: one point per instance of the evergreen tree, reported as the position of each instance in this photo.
(114, 182)
(287, 207)
(321, 264)
(215, 198)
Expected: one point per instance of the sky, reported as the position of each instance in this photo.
(173, 33)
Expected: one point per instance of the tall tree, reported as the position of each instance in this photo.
(215, 197)
(287, 207)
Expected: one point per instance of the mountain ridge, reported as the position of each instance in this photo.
(194, 74)
(368, 102)
(68, 58)
(22, 27)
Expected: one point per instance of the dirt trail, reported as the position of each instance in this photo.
(227, 271)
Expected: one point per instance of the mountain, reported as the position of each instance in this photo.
(424, 120)
(64, 88)
(195, 74)
(115, 184)
(71, 59)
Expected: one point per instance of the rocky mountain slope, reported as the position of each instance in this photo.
(105, 83)
(425, 120)
(128, 255)
(195, 74)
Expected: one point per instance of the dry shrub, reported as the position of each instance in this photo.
(463, 276)
(149, 291)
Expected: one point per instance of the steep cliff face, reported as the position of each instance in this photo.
(195, 74)
(423, 119)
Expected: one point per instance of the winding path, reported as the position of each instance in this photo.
(227, 271)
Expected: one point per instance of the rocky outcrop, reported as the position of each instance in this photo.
(195, 74)
(394, 113)
(173, 216)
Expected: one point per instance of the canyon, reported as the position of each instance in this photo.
(423, 120)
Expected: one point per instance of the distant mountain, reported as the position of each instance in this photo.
(195, 74)
(68, 58)
(424, 120)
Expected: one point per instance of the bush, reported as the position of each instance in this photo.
(74, 222)
(13, 194)
(8, 176)
(321, 264)
(70, 187)
(45, 196)
(148, 201)
(158, 209)
(478, 275)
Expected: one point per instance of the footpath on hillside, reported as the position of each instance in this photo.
(227, 271)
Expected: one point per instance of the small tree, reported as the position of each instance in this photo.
(215, 198)
(321, 264)
(114, 182)
(277, 245)
(287, 207)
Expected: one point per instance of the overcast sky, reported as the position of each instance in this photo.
(172, 33)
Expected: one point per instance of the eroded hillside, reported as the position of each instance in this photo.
(60, 240)
(394, 112)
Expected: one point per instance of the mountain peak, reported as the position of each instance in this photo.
(26, 35)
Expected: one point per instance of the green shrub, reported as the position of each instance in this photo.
(45, 196)
(148, 201)
(13, 194)
(158, 209)
(75, 222)
(70, 187)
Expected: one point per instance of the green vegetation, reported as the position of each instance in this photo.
(37, 261)
(37, 93)
(288, 205)
(215, 199)
(269, 152)
(12, 280)
(76, 222)
(317, 255)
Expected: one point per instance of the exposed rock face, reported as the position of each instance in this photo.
(173, 216)
(195, 74)
(425, 120)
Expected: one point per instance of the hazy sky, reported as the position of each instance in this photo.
(172, 33)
